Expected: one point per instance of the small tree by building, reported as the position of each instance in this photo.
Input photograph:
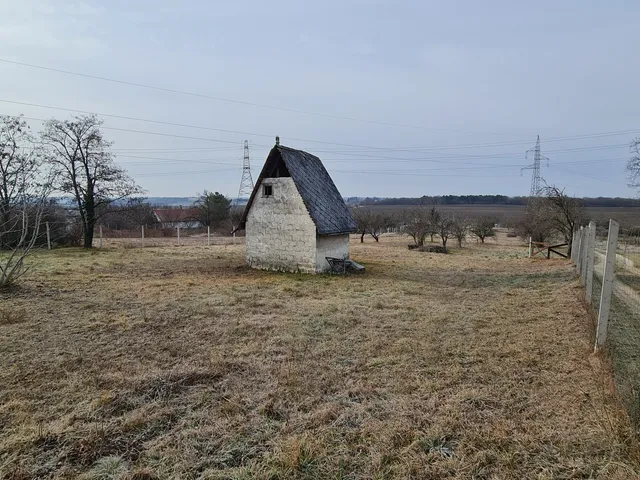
(377, 224)
(369, 222)
(363, 218)
(213, 209)
(84, 167)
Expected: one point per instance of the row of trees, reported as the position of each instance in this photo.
(552, 215)
(422, 222)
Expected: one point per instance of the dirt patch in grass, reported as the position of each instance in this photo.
(179, 362)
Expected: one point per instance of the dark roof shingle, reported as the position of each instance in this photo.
(319, 194)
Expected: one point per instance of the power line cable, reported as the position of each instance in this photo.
(239, 102)
(403, 149)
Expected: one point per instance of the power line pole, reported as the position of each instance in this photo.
(246, 183)
(535, 177)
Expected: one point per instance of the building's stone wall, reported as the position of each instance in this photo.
(280, 234)
(336, 246)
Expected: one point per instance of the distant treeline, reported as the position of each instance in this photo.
(484, 200)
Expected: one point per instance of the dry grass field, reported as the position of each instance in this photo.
(181, 363)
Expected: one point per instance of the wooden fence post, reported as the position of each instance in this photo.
(142, 230)
(100, 236)
(574, 245)
(591, 247)
(208, 236)
(530, 247)
(48, 236)
(178, 236)
(607, 284)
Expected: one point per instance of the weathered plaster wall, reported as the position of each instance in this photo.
(336, 246)
(280, 234)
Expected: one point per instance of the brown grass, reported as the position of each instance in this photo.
(182, 363)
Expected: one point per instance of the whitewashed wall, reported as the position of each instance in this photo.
(280, 234)
(336, 246)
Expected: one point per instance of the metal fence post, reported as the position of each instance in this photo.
(591, 247)
(208, 236)
(607, 284)
(100, 236)
(178, 236)
(579, 253)
(142, 229)
(583, 255)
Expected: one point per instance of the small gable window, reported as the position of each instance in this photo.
(267, 190)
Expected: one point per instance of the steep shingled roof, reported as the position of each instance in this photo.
(319, 194)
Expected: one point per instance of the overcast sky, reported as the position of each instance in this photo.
(401, 98)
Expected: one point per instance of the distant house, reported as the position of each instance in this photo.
(295, 217)
(174, 217)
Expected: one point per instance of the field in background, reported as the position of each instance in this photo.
(509, 214)
(180, 362)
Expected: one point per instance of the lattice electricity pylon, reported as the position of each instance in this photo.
(535, 166)
(246, 183)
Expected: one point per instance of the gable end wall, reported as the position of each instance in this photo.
(280, 234)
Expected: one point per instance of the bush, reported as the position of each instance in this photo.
(429, 248)
(633, 231)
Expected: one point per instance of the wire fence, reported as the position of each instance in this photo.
(163, 237)
(609, 267)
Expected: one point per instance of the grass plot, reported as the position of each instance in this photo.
(171, 362)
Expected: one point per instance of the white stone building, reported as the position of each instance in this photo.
(295, 217)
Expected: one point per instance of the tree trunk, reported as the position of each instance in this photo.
(90, 223)
(444, 242)
(362, 237)
(482, 239)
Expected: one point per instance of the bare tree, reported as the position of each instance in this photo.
(377, 224)
(363, 218)
(483, 227)
(536, 222)
(19, 176)
(633, 165)
(85, 168)
(564, 213)
(433, 220)
(459, 228)
(444, 228)
(416, 224)
(128, 215)
(25, 223)
(23, 197)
